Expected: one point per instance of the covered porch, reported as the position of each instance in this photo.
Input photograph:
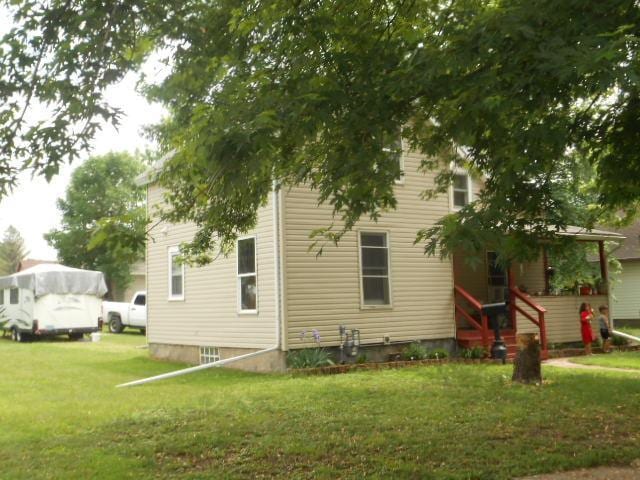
(532, 305)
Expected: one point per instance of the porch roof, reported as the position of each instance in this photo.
(582, 233)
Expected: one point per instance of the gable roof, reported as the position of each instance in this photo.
(630, 247)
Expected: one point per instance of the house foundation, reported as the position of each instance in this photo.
(274, 361)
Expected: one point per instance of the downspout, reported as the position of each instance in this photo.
(278, 310)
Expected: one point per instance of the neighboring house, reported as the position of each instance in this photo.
(32, 262)
(626, 298)
(138, 283)
(272, 288)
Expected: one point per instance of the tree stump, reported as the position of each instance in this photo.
(526, 367)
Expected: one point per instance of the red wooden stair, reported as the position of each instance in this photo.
(472, 323)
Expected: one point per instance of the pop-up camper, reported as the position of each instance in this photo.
(49, 300)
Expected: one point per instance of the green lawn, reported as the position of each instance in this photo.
(62, 418)
(616, 360)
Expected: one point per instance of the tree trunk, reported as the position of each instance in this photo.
(526, 368)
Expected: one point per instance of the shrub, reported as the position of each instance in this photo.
(414, 351)
(309, 358)
(619, 341)
(438, 353)
(473, 353)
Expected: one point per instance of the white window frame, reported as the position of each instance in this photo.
(239, 276)
(171, 253)
(461, 171)
(368, 306)
(399, 181)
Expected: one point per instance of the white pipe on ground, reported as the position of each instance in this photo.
(184, 371)
(625, 335)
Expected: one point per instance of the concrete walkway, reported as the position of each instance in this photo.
(567, 363)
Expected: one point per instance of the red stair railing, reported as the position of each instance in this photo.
(483, 326)
(516, 294)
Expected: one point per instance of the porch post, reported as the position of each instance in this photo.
(604, 274)
(511, 279)
(545, 265)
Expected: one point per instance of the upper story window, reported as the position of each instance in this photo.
(395, 146)
(247, 275)
(176, 275)
(14, 296)
(374, 268)
(461, 192)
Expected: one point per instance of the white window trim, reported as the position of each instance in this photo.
(461, 171)
(364, 306)
(171, 251)
(239, 276)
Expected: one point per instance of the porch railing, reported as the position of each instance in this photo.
(539, 312)
(483, 325)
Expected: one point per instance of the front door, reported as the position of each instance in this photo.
(498, 286)
(497, 280)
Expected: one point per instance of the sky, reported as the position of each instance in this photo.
(31, 207)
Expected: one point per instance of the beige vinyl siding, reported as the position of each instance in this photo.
(473, 280)
(208, 315)
(324, 292)
(138, 283)
(626, 292)
(561, 318)
(530, 275)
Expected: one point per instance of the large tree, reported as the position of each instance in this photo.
(102, 200)
(524, 92)
(12, 251)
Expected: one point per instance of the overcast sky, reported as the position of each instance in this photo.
(31, 208)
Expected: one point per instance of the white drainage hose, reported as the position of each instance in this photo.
(197, 368)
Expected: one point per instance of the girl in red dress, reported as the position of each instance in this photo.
(586, 315)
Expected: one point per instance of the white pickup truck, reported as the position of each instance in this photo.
(118, 315)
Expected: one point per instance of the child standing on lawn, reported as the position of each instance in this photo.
(603, 320)
(586, 315)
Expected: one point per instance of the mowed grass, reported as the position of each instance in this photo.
(61, 417)
(615, 360)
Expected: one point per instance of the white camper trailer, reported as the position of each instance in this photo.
(51, 300)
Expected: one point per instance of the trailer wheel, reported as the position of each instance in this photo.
(18, 336)
(115, 324)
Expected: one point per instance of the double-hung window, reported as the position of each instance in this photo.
(176, 275)
(394, 147)
(461, 190)
(247, 276)
(374, 268)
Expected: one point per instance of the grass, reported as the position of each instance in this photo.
(615, 360)
(61, 418)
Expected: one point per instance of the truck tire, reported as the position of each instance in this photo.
(115, 324)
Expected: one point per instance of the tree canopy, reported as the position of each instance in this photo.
(12, 251)
(525, 93)
(102, 201)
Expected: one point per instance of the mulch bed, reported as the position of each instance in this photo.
(337, 369)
